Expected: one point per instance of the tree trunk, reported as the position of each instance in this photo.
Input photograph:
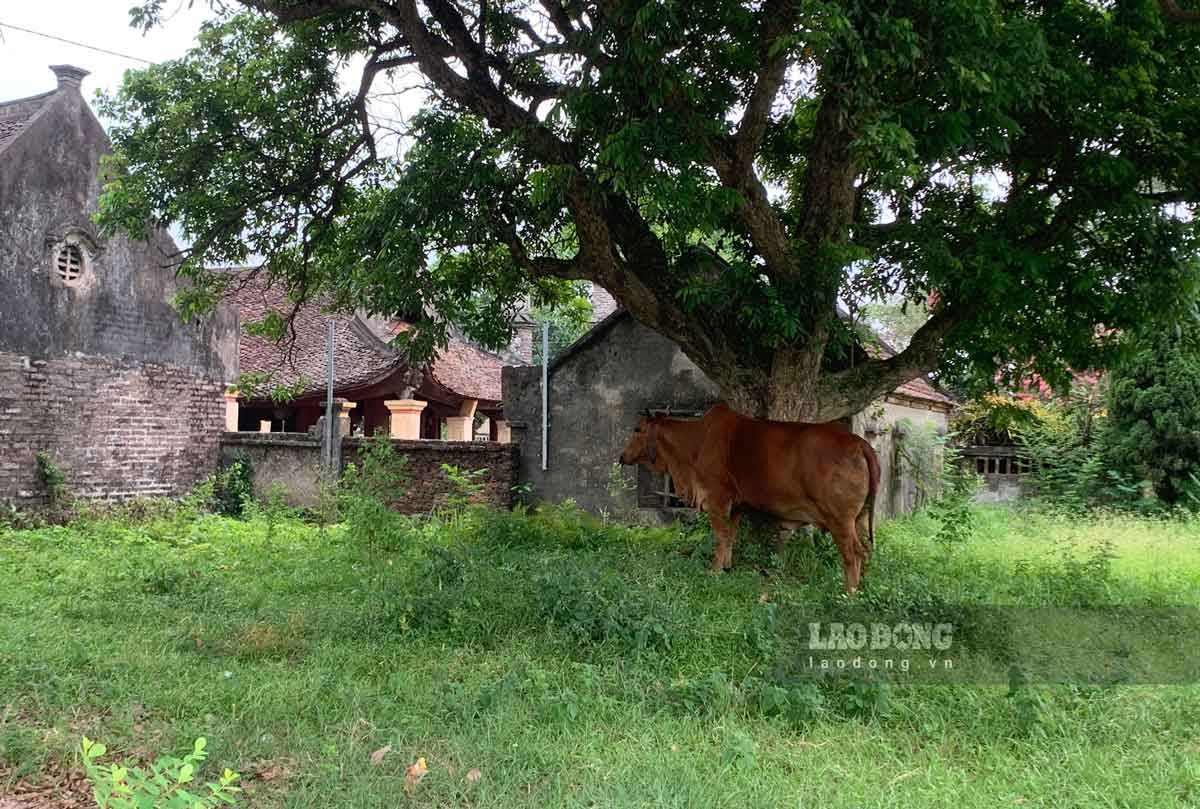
(789, 390)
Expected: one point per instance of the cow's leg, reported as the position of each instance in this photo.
(725, 527)
(846, 538)
(864, 541)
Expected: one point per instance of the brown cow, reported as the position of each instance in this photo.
(801, 474)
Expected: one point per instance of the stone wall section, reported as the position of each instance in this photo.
(292, 460)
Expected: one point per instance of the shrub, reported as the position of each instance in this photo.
(234, 487)
(595, 608)
(161, 786)
(468, 487)
(368, 489)
(952, 508)
(999, 420)
(52, 478)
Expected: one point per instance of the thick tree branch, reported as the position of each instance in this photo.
(851, 390)
(1173, 13)
(777, 20)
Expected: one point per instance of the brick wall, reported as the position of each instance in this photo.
(117, 429)
(293, 461)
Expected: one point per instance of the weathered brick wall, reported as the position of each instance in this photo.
(293, 461)
(428, 486)
(117, 429)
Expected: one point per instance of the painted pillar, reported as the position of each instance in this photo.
(404, 419)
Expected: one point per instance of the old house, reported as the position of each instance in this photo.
(96, 369)
(599, 386)
(455, 397)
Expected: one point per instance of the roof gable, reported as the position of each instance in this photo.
(16, 115)
(917, 388)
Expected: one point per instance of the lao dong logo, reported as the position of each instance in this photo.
(902, 637)
(888, 646)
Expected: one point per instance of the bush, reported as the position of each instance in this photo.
(161, 786)
(952, 508)
(368, 490)
(595, 608)
(53, 479)
(234, 487)
(997, 420)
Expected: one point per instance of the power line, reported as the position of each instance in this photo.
(73, 42)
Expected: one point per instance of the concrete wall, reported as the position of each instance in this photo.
(901, 490)
(596, 394)
(293, 460)
(102, 374)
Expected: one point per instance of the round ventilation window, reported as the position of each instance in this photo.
(69, 263)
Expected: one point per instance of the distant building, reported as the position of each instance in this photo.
(96, 368)
(455, 396)
(599, 387)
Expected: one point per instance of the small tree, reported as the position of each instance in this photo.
(1153, 430)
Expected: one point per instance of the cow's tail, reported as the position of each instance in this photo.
(872, 490)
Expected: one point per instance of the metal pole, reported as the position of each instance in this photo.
(545, 390)
(330, 429)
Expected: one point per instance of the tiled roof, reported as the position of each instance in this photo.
(14, 115)
(464, 368)
(919, 388)
(359, 358)
(468, 371)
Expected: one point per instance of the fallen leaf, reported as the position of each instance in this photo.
(674, 748)
(474, 774)
(378, 755)
(764, 598)
(413, 775)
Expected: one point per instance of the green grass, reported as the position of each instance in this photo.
(573, 664)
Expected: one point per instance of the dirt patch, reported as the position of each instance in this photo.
(58, 788)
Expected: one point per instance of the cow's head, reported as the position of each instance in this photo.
(642, 447)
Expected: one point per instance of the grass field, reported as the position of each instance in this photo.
(570, 663)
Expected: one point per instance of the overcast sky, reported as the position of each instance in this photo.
(24, 58)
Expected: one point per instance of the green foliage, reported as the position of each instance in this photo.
(1030, 162)
(165, 784)
(234, 487)
(469, 485)
(896, 319)
(213, 631)
(568, 321)
(273, 510)
(922, 449)
(594, 607)
(952, 506)
(997, 420)
(1070, 578)
(621, 490)
(1153, 425)
(368, 490)
(52, 478)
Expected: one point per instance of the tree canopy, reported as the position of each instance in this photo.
(734, 173)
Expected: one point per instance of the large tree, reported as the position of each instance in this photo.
(733, 172)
